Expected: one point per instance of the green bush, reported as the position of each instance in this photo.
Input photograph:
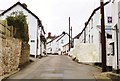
(20, 27)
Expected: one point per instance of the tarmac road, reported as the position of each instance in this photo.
(57, 67)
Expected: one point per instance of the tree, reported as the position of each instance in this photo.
(20, 27)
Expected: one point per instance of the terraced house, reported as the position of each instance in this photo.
(88, 42)
(116, 35)
(56, 45)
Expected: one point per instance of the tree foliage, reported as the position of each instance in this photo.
(19, 22)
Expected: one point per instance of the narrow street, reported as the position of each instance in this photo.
(56, 67)
(60, 39)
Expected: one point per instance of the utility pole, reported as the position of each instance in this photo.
(71, 31)
(46, 41)
(103, 38)
(69, 34)
(71, 38)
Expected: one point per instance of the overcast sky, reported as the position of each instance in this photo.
(54, 14)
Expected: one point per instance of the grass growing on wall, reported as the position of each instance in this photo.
(20, 27)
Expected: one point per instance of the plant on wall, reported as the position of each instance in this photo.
(19, 22)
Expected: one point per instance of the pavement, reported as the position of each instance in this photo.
(59, 67)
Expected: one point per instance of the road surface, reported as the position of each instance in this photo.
(56, 67)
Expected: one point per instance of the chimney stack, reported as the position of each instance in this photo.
(24, 5)
(49, 34)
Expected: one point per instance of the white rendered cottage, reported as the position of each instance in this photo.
(87, 46)
(34, 26)
(56, 45)
(63, 43)
(116, 35)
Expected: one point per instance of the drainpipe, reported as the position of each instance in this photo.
(117, 49)
(85, 32)
(71, 38)
(45, 47)
(69, 34)
(40, 42)
(84, 36)
(37, 44)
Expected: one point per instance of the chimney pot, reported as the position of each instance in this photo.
(49, 34)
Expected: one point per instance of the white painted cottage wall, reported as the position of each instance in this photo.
(32, 24)
(39, 42)
(72, 50)
(93, 30)
(119, 33)
(115, 21)
(49, 48)
(55, 46)
(65, 39)
(66, 48)
(96, 33)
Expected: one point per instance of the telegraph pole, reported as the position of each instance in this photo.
(69, 34)
(71, 38)
(103, 38)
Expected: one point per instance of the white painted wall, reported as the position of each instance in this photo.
(53, 46)
(57, 46)
(119, 33)
(87, 53)
(66, 48)
(63, 41)
(92, 36)
(32, 24)
(76, 42)
(49, 48)
(116, 21)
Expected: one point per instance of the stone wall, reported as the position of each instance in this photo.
(13, 53)
(25, 53)
(1, 69)
(9, 55)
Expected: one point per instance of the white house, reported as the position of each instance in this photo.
(50, 43)
(75, 43)
(116, 34)
(34, 25)
(88, 47)
(63, 42)
(65, 49)
(55, 46)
